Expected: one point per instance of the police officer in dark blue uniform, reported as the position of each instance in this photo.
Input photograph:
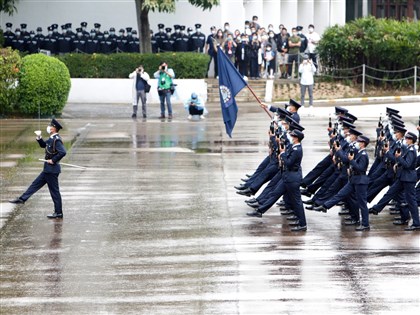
(121, 41)
(291, 159)
(50, 41)
(197, 40)
(92, 43)
(107, 45)
(181, 41)
(83, 26)
(133, 44)
(40, 37)
(18, 42)
(79, 42)
(166, 44)
(98, 29)
(406, 177)
(292, 107)
(173, 37)
(355, 191)
(54, 152)
(8, 35)
(31, 44)
(160, 35)
(23, 30)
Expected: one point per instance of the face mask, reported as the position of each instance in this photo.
(271, 35)
(342, 133)
(311, 30)
(289, 137)
(268, 49)
(17, 33)
(357, 145)
(405, 142)
(39, 32)
(48, 129)
(198, 30)
(226, 28)
(270, 28)
(394, 136)
(213, 32)
(49, 32)
(112, 33)
(92, 34)
(348, 139)
(299, 32)
(106, 36)
(294, 33)
(79, 34)
(177, 31)
(32, 35)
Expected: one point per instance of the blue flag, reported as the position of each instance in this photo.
(231, 82)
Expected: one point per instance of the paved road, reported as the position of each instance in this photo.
(154, 226)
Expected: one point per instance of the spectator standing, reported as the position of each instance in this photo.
(210, 49)
(313, 40)
(230, 47)
(217, 42)
(307, 70)
(243, 55)
(294, 45)
(165, 75)
(283, 42)
(270, 61)
(254, 54)
(140, 80)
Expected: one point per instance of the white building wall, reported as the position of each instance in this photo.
(121, 13)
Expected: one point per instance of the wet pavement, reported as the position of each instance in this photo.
(153, 226)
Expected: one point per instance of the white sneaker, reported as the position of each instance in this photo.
(189, 117)
(202, 117)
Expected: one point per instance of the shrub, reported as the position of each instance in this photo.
(185, 65)
(45, 82)
(10, 63)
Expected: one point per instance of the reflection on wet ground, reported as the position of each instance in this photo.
(153, 226)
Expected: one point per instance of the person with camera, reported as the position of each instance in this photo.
(307, 70)
(195, 107)
(141, 86)
(165, 75)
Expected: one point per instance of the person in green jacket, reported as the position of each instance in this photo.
(164, 76)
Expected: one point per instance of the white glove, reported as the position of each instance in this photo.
(38, 134)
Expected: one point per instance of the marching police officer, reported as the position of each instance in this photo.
(8, 35)
(197, 40)
(54, 152)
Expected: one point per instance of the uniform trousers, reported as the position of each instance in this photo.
(51, 179)
(317, 170)
(410, 197)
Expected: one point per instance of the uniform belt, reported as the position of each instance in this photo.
(294, 169)
(359, 173)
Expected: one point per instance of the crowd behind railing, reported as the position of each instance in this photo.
(257, 51)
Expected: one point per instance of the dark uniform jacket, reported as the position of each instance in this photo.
(291, 160)
(406, 171)
(359, 167)
(54, 150)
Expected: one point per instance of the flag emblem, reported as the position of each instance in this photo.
(226, 95)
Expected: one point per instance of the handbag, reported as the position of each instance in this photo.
(147, 87)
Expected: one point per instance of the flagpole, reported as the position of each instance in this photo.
(259, 101)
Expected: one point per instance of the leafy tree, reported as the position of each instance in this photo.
(8, 6)
(143, 7)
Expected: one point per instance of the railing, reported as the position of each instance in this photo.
(365, 71)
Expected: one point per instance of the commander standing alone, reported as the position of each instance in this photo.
(54, 152)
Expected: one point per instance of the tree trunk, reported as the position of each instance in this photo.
(144, 27)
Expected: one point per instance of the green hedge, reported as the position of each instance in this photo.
(45, 82)
(10, 64)
(379, 43)
(185, 65)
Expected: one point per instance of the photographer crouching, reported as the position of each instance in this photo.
(165, 76)
(195, 107)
